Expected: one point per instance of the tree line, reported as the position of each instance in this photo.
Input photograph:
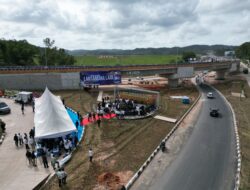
(21, 53)
(243, 51)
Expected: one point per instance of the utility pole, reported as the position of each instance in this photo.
(46, 64)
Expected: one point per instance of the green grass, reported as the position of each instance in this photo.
(126, 60)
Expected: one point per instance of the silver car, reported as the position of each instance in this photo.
(4, 108)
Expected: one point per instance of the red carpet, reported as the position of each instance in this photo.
(107, 116)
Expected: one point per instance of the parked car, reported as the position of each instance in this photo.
(25, 97)
(210, 95)
(214, 112)
(4, 108)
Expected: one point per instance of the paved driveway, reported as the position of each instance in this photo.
(15, 172)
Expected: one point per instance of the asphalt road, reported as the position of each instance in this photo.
(207, 160)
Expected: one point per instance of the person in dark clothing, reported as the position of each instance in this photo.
(33, 106)
(163, 146)
(45, 161)
(16, 140)
(98, 122)
(63, 101)
(22, 107)
(29, 156)
(33, 158)
(77, 124)
(93, 114)
(2, 124)
(89, 116)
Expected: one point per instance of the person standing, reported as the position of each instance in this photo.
(16, 140)
(33, 106)
(98, 121)
(33, 157)
(90, 154)
(22, 107)
(20, 139)
(45, 161)
(60, 176)
(29, 156)
(64, 176)
(77, 124)
(89, 116)
(26, 142)
(94, 116)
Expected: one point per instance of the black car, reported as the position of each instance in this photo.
(4, 108)
(214, 112)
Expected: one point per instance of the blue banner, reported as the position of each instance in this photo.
(100, 77)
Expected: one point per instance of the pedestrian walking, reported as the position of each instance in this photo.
(98, 121)
(22, 107)
(16, 140)
(91, 155)
(29, 156)
(20, 139)
(45, 161)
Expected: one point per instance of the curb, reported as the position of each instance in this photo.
(237, 138)
(153, 154)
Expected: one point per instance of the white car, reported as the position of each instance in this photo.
(210, 95)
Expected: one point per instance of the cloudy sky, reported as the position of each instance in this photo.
(126, 24)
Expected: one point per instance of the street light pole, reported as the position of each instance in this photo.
(46, 58)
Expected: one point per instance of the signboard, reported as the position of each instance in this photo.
(100, 77)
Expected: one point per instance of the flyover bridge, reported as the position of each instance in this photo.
(67, 77)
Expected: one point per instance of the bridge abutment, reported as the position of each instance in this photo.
(220, 74)
(173, 83)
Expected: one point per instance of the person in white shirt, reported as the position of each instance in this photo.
(91, 154)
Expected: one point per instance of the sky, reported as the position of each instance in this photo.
(126, 24)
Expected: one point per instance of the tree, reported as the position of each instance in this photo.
(48, 43)
(187, 55)
(243, 52)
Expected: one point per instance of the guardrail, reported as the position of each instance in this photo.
(6, 69)
(150, 158)
(237, 138)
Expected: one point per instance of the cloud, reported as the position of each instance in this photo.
(94, 24)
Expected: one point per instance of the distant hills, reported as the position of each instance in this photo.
(198, 49)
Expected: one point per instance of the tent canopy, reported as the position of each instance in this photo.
(51, 118)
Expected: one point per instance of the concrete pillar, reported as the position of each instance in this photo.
(173, 83)
(220, 74)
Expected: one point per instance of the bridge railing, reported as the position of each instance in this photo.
(30, 68)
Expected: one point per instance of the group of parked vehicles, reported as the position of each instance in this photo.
(20, 97)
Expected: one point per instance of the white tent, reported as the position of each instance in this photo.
(51, 118)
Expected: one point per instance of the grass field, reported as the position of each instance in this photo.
(242, 110)
(126, 60)
(120, 146)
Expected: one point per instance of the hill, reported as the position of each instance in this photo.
(198, 49)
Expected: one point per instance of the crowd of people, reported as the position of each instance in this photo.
(123, 107)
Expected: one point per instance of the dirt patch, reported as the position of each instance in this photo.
(113, 181)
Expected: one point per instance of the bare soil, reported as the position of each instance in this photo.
(120, 146)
